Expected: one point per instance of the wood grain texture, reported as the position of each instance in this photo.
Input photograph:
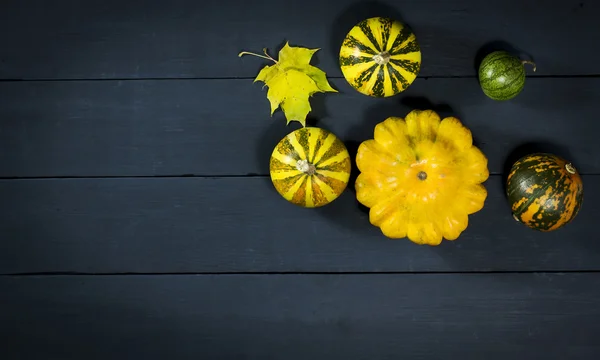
(185, 38)
(223, 127)
(143, 94)
(474, 316)
(166, 225)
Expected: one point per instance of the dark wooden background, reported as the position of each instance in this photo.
(138, 219)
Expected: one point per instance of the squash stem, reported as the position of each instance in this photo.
(306, 167)
(422, 175)
(530, 63)
(266, 56)
(382, 58)
(570, 168)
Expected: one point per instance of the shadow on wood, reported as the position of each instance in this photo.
(318, 108)
(423, 103)
(342, 213)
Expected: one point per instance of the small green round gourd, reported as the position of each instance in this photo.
(502, 75)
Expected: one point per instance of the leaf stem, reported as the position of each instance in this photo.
(266, 56)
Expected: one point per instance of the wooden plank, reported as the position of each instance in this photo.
(223, 127)
(188, 38)
(215, 225)
(501, 316)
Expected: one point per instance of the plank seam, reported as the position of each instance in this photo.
(423, 77)
(84, 177)
(278, 273)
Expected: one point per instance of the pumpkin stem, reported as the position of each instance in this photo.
(306, 167)
(530, 63)
(422, 175)
(266, 56)
(382, 58)
(570, 168)
(516, 218)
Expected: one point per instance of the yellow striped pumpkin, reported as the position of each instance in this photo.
(380, 57)
(310, 167)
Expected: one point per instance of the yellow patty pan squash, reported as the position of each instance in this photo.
(421, 177)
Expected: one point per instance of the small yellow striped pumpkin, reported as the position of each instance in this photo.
(310, 167)
(380, 57)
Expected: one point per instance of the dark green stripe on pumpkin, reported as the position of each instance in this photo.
(364, 27)
(302, 138)
(496, 57)
(320, 141)
(333, 150)
(352, 42)
(520, 193)
(318, 197)
(365, 76)
(544, 219)
(535, 161)
(378, 89)
(508, 85)
(340, 166)
(493, 59)
(530, 171)
(286, 148)
(412, 46)
(353, 60)
(336, 185)
(386, 28)
(276, 165)
(393, 81)
(407, 65)
(504, 92)
(548, 216)
(284, 185)
(404, 34)
(502, 70)
(396, 77)
(578, 203)
(508, 94)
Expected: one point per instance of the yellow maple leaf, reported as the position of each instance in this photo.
(292, 81)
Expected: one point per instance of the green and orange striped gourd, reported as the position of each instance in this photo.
(545, 191)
